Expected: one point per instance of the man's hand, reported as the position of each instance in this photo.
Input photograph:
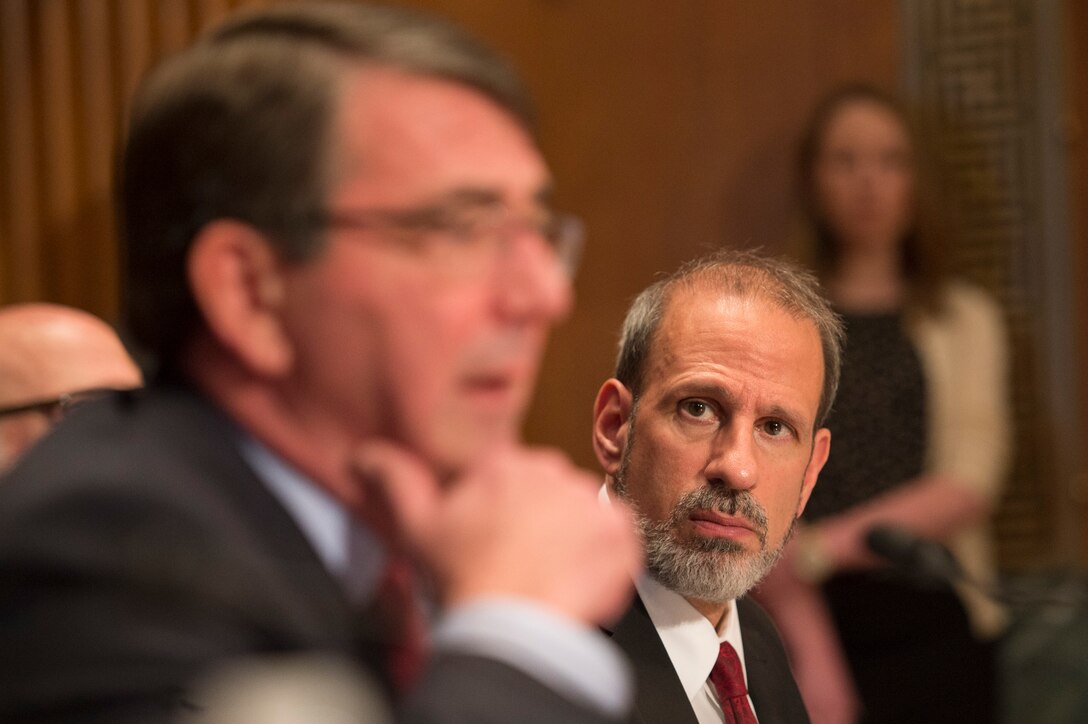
(524, 523)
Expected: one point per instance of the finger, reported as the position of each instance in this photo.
(401, 493)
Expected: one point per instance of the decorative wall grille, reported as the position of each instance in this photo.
(974, 70)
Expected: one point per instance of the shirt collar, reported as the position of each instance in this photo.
(339, 541)
(689, 638)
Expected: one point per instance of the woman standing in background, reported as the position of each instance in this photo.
(920, 440)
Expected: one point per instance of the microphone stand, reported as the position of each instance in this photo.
(930, 562)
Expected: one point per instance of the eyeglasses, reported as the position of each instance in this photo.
(56, 408)
(466, 238)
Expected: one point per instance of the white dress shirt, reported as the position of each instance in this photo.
(690, 640)
(692, 644)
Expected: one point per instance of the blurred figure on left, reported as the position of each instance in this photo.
(342, 253)
(51, 358)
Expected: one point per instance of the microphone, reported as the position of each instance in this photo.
(929, 561)
(924, 558)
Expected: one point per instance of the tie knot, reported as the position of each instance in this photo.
(727, 675)
(728, 679)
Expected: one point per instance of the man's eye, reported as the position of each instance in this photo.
(696, 408)
(464, 225)
(775, 428)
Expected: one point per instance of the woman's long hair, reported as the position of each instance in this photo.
(925, 259)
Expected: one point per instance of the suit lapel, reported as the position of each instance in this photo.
(761, 679)
(307, 594)
(770, 681)
(659, 697)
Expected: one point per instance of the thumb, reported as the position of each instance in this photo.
(400, 493)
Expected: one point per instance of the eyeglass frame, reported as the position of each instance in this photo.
(55, 408)
(566, 241)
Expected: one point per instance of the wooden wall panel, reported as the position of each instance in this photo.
(62, 198)
(20, 249)
(95, 264)
(1076, 136)
(134, 44)
(69, 67)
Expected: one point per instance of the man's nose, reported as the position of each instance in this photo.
(732, 461)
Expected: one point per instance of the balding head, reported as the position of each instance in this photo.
(47, 351)
(733, 273)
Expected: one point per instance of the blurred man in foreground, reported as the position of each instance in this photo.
(341, 251)
(711, 431)
(51, 359)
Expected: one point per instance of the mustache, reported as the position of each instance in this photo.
(723, 500)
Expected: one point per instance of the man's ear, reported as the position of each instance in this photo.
(237, 282)
(821, 448)
(611, 415)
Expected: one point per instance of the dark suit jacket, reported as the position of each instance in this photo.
(139, 551)
(660, 697)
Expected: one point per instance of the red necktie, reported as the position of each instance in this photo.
(395, 599)
(400, 608)
(728, 680)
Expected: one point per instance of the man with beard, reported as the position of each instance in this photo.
(711, 431)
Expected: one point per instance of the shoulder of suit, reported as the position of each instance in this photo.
(751, 613)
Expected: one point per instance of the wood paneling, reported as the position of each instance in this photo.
(69, 67)
(1076, 135)
(20, 246)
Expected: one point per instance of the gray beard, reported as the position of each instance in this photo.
(707, 569)
(715, 570)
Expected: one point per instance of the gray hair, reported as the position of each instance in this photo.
(738, 274)
(240, 126)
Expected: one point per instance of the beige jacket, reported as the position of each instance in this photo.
(964, 355)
